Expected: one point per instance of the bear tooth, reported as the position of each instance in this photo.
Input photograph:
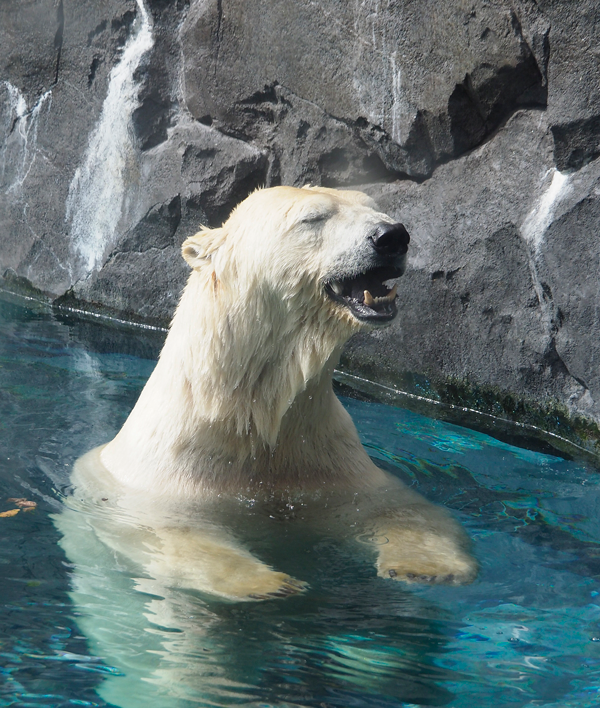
(387, 298)
(370, 300)
(336, 287)
(392, 293)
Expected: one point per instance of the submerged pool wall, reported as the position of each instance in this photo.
(126, 124)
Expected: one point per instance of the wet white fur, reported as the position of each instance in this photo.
(241, 404)
(242, 390)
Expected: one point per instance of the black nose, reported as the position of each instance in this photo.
(391, 239)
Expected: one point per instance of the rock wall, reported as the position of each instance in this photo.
(125, 124)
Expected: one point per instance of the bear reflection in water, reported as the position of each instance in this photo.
(240, 413)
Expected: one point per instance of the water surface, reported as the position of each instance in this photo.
(526, 633)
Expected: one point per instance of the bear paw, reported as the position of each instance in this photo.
(417, 555)
(250, 580)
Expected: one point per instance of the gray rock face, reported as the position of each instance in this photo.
(504, 272)
(54, 69)
(126, 124)
(418, 83)
(195, 177)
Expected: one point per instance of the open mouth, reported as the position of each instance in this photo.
(366, 295)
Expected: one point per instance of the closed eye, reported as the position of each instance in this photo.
(314, 217)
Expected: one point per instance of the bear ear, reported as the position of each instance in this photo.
(197, 249)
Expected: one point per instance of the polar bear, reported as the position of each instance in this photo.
(240, 407)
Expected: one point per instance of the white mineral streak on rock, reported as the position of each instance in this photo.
(378, 74)
(370, 43)
(98, 188)
(397, 102)
(540, 217)
(19, 138)
(533, 230)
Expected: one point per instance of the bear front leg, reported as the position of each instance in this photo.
(186, 558)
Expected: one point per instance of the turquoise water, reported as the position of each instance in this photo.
(526, 633)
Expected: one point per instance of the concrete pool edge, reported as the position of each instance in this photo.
(521, 422)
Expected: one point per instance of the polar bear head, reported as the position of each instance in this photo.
(282, 285)
(332, 247)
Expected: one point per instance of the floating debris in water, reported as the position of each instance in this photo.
(10, 512)
(22, 504)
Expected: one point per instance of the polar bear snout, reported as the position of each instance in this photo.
(390, 239)
(380, 258)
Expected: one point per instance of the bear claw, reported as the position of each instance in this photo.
(447, 579)
(290, 587)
